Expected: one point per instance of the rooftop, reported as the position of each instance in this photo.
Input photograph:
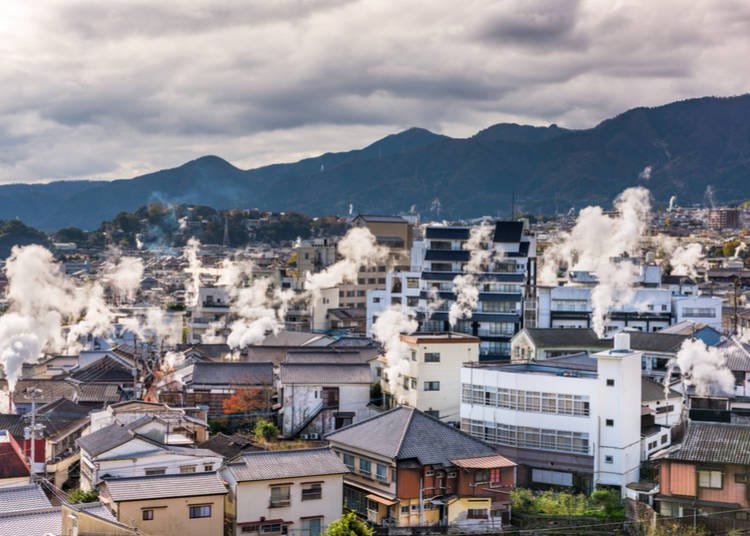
(706, 442)
(286, 464)
(165, 486)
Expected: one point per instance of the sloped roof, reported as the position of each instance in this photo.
(105, 439)
(232, 374)
(650, 390)
(706, 442)
(378, 218)
(229, 446)
(20, 498)
(566, 338)
(286, 464)
(32, 522)
(406, 433)
(165, 486)
(654, 341)
(326, 355)
(484, 462)
(737, 354)
(12, 466)
(106, 369)
(324, 373)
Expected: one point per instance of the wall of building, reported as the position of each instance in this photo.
(172, 516)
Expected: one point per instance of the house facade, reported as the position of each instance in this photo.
(408, 469)
(284, 492)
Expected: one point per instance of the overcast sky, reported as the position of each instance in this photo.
(108, 89)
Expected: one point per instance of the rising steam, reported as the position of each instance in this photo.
(387, 329)
(124, 274)
(703, 368)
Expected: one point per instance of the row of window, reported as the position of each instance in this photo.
(519, 400)
(153, 471)
(281, 496)
(411, 383)
(365, 468)
(194, 512)
(503, 288)
(527, 437)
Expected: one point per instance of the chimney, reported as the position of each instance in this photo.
(622, 341)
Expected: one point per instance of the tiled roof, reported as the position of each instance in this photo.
(404, 433)
(229, 446)
(651, 390)
(737, 355)
(286, 464)
(105, 439)
(323, 373)
(164, 486)
(326, 355)
(566, 338)
(715, 443)
(377, 218)
(32, 522)
(20, 498)
(232, 374)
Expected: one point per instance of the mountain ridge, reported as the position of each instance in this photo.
(688, 145)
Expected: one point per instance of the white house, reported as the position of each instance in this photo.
(137, 449)
(429, 378)
(570, 421)
(284, 492)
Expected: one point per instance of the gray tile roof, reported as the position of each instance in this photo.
(286, 464)
(737, 355)
(322, 373)
(406, 433)
(715, 443)
(326, 355)
(32, 522)
(105, 439)
(232, 374)
(566, 338)
(20, 498)
(164, 486)
(651, 390)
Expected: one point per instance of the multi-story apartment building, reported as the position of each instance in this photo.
(392, 232)
(572, 421)
(506, 285)
(432, 380)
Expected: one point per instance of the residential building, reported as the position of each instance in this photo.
(15, 469)
(318, 397)
(137, 449)
(569, 421)
(179, 505)
(284, 492)
(429, 379)
(507, 284)
(409, 469)
(708, 473)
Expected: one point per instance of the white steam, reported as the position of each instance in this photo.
(193, 284)
(387, 330)
(595, 243)
(41, 299)
(703, 368)
(645, 175)
(359, 249)
(124, 274)
(672, 203)
(482, 254)
(685, 259)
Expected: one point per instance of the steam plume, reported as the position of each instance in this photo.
(123, 273)
(387, 329)
(192, 286)
(704, 368)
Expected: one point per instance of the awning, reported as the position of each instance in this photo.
(484, 462)
(382, 500)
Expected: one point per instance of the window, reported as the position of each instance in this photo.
(434, 413)
(413, 355)
(187, 469)
(610, 382)
(348, 460)
(740, 478)
(431, 386)
(381, 472)
(405, 509)
(710, 478)
(312, 491)
(148, 515)
(432, 357)
(610, 422)
(476, 513)
(203, 510)
(156, 471)
(482, 475)
(365, 467)
(609, 459)
(413, 382)
(208, 467)
(280, 497)
(311, 526)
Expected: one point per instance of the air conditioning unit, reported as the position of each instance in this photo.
(314, 436)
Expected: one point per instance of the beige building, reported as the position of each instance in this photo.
(431, 382)
(393, 232)
(180, 505)
(297, 492)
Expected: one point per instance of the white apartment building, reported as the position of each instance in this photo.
(572, 421)
(430, 377)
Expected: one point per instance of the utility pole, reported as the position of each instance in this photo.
(32, 431)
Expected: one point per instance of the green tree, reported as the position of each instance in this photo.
(265, 431)
(81, 496)
(349, 525)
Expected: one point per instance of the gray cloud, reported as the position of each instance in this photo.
(114, 89)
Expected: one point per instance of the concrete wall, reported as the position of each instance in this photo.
(172, 516)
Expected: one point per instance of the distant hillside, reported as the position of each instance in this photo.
(687, 145)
